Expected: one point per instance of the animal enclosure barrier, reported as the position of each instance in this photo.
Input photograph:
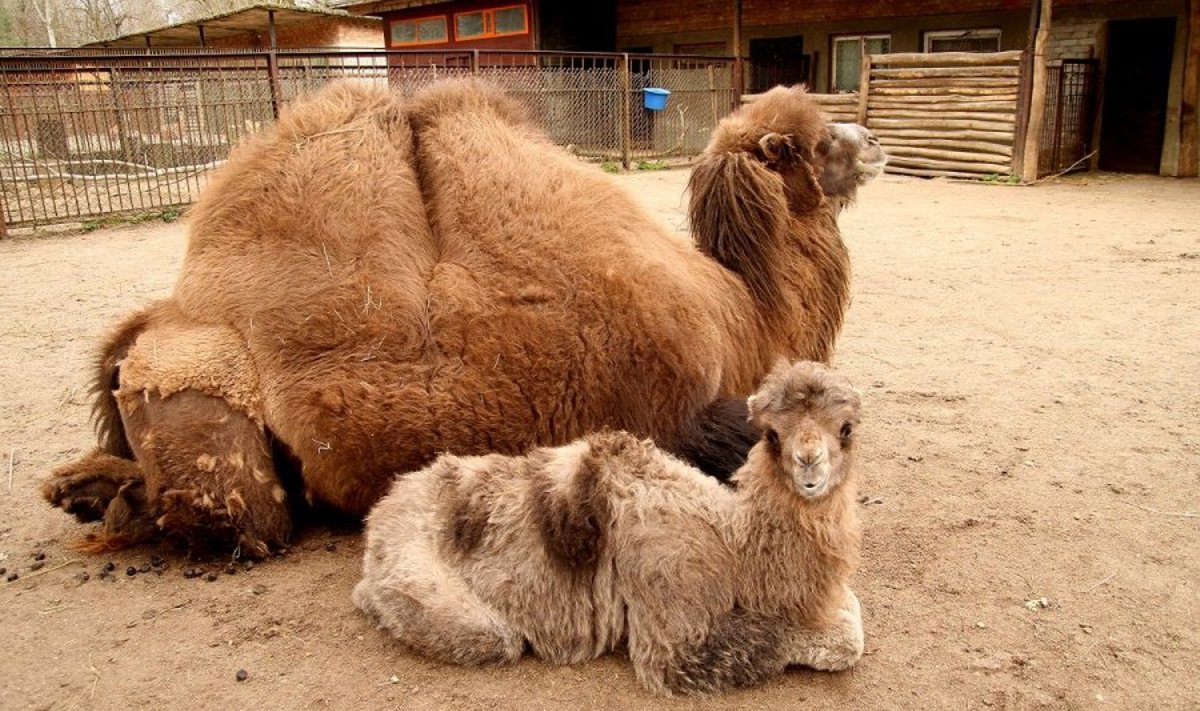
(84, 133)
(946, 113)
(941, 114)
(1070, 115)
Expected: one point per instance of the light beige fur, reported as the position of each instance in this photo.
(607, 541)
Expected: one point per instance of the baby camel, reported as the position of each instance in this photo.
(576, 550)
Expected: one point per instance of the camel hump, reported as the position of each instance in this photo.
(344, 105)
(455, 97)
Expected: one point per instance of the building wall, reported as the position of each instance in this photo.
(321, 32)
(907, 34)
(448, 10)
(1073, 38)
(367, 34)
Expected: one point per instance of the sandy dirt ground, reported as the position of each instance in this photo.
(1029, 359)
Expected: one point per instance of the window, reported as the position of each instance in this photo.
(500, 22)
(963, 41)
(848, 52)
(426, 30)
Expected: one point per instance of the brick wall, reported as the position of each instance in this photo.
(321, 32)
(1073, 38)
(352, 34)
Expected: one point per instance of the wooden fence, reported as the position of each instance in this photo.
(952, 113)
(948, 114)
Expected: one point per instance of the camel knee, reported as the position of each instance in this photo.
(838, 648)
(209, 471)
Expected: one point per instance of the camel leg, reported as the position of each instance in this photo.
(835, 649)
(100, 486)
(208, 471)
(437, 625)
(740, 649)
(86, 486)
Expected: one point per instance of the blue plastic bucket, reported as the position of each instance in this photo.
(656, 99)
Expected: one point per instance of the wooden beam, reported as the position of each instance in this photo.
(1037, 96)
(200, 28)
(1000, 70)
(739, 70)
(949, 59)
(938, 124)
(920, 134)
(1189, 138)
(864, 87)
(272, 65)
(737, 28)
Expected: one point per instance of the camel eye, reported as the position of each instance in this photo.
(847, 430)
(773, 438)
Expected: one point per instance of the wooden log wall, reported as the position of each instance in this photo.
(842, 108)
(947, 114)
(951, 114)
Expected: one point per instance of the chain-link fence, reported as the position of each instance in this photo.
(86, 134)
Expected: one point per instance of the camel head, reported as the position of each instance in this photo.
(807, 413)
(776, 159)
(785, 138)
(849, 156)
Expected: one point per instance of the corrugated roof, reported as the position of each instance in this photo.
(227, 24)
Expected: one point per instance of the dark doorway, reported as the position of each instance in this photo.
(777, 60)
(1135, 94)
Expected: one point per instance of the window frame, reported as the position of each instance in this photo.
(417, 21)
(489, 22)
(862, 37)
(973, 33)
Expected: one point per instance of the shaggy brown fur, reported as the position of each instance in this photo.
(711, 588)
(373, 281)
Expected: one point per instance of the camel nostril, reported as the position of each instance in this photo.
(812, 485)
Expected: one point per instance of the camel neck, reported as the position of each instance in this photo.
(808, 548)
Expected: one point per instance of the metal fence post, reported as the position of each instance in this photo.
(626, 110)
(273, 81)
(474, 62)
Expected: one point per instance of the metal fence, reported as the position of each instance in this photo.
(1070, 113)
(86, 134)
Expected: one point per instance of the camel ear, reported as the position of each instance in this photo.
(775, 147)
(738, 210)
(770, 392)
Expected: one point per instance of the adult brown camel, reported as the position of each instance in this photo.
(376, 280)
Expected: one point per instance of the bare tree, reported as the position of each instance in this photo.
(47, 12)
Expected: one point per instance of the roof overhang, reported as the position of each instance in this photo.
(250, 20)
(379, 7)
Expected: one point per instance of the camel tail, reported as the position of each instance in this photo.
(719, 439)
(110, 431)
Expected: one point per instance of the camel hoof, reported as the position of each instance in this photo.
(205, 526)
(86, 487)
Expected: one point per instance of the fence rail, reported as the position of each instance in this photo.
(85, 133)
